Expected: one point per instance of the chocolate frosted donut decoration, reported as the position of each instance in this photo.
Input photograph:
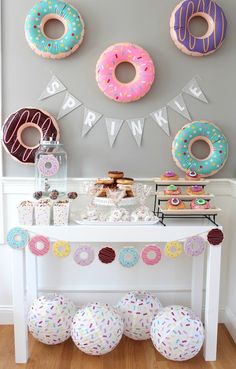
(180, 19)
(22, 119)
(215, 237)
(106, 255)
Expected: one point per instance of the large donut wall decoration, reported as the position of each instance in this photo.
(200, 131)
(47, 10)
(22, 119)
(181, 34)
(107, 80)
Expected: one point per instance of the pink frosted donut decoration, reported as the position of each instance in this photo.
(22, 119)
(151, 254)
(48, 165)
(125, 53)
(34, 245)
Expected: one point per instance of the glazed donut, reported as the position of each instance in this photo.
(172, 190)
(115, 174)
(147, 256)
(173, 249)
(195, 190)
(105, 181)
(34, 245)
(200, 131)
(40, 43)
(61, 248)
(200, 204)
(174, 204)
(107, 64)
(169, 175)
(17, 122)
(125, 181)
(185, 40)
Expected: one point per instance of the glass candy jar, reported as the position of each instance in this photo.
(51, 167)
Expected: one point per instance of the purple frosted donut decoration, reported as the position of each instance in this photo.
(185, 40)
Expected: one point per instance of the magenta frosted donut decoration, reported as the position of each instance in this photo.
(185, 40)
(125, 53)
(22, 119)
(48, 165)
(34, 245)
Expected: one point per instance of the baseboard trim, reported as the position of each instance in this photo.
(230, 322)
(6, 315)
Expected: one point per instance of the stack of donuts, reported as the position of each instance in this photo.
(114, 181)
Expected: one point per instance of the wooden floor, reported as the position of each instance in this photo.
(128, 355)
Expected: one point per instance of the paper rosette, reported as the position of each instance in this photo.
(50, 318)
(177, 333)
(97, 329)
(138, 310)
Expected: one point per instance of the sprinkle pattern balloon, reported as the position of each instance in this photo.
(138, 310)
(177, 333)
(50, 318)
(97, 329)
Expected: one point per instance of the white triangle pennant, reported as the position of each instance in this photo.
(161, 118)
(113, 128)
(53, 87)
(69, 104)
(178, 105)
(193, 89)
(90, 119)
(136, 127)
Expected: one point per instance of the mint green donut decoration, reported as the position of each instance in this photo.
(44, 11)
(200, 131)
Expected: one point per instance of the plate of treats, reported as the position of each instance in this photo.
(196, 206)
(114, 182)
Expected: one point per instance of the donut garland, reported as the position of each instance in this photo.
(22, 119)
(185, 40)
(34, 245)
(84, 255)
(151, 254)
(17, 238)
(215, 237)
(107, 255)
(194, 246)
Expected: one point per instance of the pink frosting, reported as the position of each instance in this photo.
(111, 58)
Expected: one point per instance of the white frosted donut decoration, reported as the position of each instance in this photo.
(125, 53)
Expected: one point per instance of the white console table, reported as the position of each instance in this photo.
(25, 286)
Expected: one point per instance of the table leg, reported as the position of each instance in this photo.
(19, 308)
(197, 284)
(31, 277)
(212, 301)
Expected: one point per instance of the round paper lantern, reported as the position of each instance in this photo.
(97, 329)
(138, 310)
(177, 333)
(50, 318)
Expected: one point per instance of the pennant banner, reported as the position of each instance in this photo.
(69, 104)
(53, 87)
(178, 105)
(136, 127)
(90, 119)
(161, 118)
(113, 128)
(192, 88)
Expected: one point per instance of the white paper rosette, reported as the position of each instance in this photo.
(177, 333)
(138, 310)
(97, 329)
(50, 317)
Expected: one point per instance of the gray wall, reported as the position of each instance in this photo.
(107, 21)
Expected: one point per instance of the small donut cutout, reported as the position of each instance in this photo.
(17, 238)
(215, 237)
(48, 165)
(40, 43)
(22, 119)
(151, 254)
(128, 257)
(34, 245)
(194, 246)
(107, 255)
(173, 249)
(107, 64)
(61, 249)
(84, 255)
(200, 131)
(180, 19)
